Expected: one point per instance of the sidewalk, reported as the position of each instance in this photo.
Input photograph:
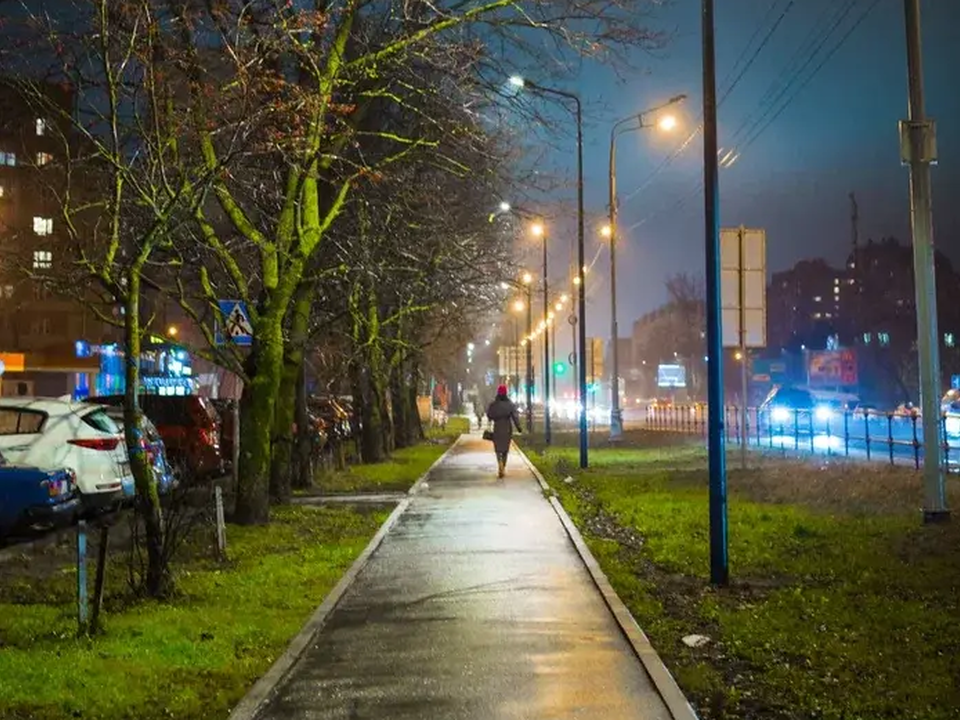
(476, 606)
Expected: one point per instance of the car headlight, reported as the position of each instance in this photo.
(952, 424)
(823, 413)
(780, 415)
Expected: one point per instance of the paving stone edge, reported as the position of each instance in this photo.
(264, 688)
(673, 697)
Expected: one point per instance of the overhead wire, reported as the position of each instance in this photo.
(772, 97)
(728, 89)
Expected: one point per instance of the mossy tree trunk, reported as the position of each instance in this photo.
(282, 465)
(158, 581)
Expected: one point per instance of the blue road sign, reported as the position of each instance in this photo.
(235, 328)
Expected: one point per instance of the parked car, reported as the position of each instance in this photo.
(153, 446)
(224, 410)
(190, 430)
(31, 498)
(54, 433)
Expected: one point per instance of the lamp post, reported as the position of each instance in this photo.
(539, 232)
(519, 82)
(527, 281)
(667, 123)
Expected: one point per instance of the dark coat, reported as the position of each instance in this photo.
(504, 415)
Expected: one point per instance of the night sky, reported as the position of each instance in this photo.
(838, 134)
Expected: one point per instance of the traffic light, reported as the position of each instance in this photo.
(559, 367)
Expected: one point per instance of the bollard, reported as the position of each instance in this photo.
(846, 433)
(83, 605)
(890, 436)
(221, 526)
(866, 431)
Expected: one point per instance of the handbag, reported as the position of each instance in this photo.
(488, 435)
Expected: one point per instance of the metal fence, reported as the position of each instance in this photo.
(893, 437)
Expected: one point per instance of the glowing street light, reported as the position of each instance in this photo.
(504, 206)
(519, 306)
(536, 230)
(667, 122)
(527, 278)
(606, 231)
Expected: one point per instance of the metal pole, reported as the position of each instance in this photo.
(920, 133)
(546, 346)
(553, 353)
(529, 349)
(581, 260)
(616, 417)
(743, 356)
(716, 442)
(516, 357)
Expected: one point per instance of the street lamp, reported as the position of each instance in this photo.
(538, 231)
(527, 280)
(519, 82)
(665, 122)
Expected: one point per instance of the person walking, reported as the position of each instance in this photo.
(503, 413)
(478, 411)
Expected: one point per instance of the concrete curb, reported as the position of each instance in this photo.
(264, 688)
(663, 680)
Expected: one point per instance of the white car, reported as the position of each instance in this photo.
(57, 433)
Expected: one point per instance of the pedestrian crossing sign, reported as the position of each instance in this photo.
(234, 326)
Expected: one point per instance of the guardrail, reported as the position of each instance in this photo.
(874, 435)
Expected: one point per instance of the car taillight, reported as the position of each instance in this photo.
(105, 444)
(208, 437)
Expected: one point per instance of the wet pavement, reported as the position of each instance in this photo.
(476, 606)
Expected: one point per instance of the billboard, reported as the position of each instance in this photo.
(832, 368)
(671, 376)
(743, 286)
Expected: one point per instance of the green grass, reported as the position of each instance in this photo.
(456, 426)
(191, 658)
(397, 474)
(843, 606)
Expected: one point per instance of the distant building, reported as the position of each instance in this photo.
(35, 320)
(806, 303)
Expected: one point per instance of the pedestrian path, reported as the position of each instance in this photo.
(476, 606)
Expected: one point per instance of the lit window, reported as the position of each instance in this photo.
(836, 290)
(8, 158)
(817, 298)
(867, 337)
(1, 191)
(883, 338)
(816, 316)
(41, 126)
(7, 291)
(828, 315)
(40, 327)
(42, 226)
(836, 281)
(949, 340)
(43, 158)
(42, 259)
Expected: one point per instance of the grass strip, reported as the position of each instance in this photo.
(842, 607)
(192, 658)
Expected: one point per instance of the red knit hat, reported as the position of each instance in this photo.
(502, 390)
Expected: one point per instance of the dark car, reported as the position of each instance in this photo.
(225, 410)
(34, 498)
(156, 451)
(190, 430)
